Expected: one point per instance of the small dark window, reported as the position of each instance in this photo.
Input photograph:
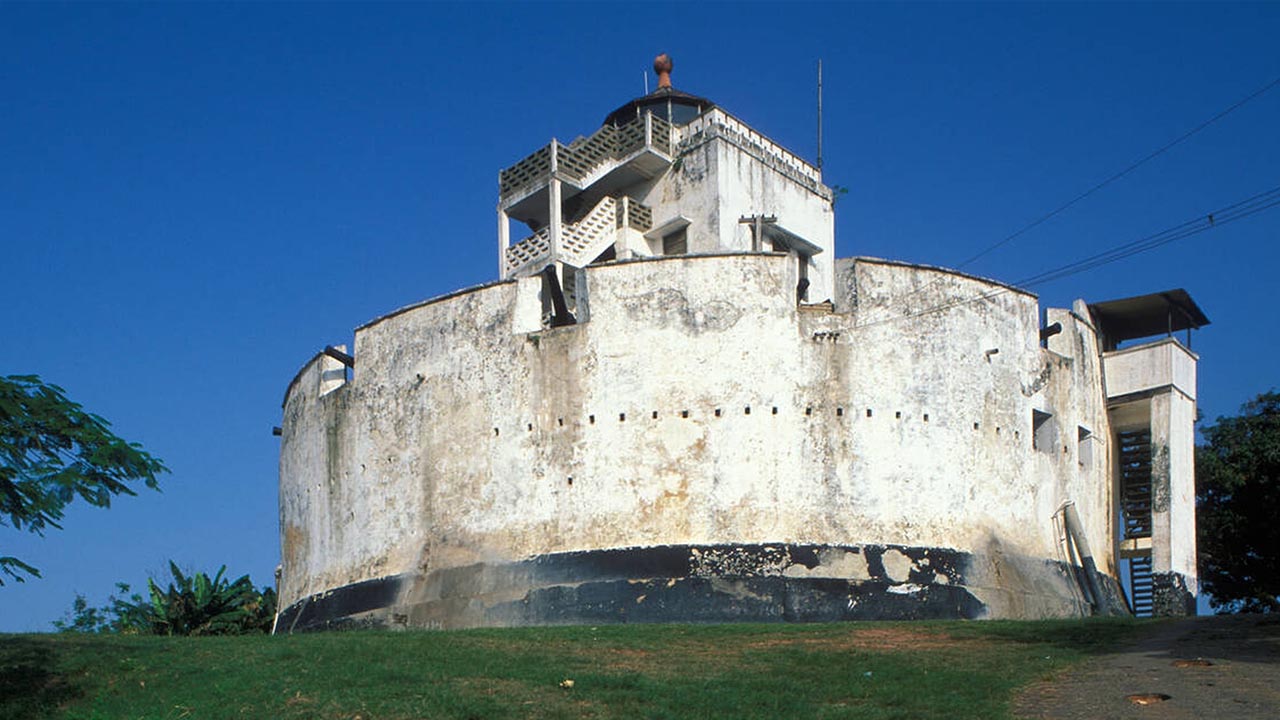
(1044, 433)
(676, 243)
(1084, 451)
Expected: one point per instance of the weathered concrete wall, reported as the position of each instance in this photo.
(1163, 363)
(719, 177)
(1173, 517)
(698, 409)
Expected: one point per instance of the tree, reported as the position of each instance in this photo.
(1237, 492)
(53, 451)
(192, 605)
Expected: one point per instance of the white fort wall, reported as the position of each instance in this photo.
(463, 441)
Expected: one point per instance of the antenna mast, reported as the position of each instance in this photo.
(819, 115)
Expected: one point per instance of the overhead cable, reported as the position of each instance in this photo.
(1202, 223)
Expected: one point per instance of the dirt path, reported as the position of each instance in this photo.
(1242, 681)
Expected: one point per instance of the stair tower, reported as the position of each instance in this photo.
(667, 174)
(1151, 401)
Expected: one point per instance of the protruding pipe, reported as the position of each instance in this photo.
(1050, 331)
(1076, 532)
(340, 356)
(560, 309)
(662, 65)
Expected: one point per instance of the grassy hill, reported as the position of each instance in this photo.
(868, 670)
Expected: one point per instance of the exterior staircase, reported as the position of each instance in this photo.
(581, 240)
(587, 159)
(1135, 515)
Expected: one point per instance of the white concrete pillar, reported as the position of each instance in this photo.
(621, 246)
(1173, 509)
(504, 242)
(553, 224)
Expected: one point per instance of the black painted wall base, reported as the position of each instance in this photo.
(681, 583)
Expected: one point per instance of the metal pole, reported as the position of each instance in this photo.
(819, 115)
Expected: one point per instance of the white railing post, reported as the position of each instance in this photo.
(504, 242)
(553, 223)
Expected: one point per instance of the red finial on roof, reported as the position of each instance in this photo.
(662, 65)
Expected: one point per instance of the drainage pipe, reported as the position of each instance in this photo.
(1076, 532)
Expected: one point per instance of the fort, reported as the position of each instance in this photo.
(676, 404)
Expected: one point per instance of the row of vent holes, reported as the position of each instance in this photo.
(622, 417)
(685, 413)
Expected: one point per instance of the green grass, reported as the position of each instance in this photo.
(865, 670)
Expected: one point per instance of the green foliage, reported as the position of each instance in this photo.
(190, 605)
(1237, 492)
(53, 451)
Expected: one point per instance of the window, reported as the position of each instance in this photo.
(1044, 433)
(1084, 446)
(802, 287)
(676, 243)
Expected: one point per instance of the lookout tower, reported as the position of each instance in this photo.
(668, 173)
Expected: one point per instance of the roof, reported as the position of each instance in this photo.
(657, 99)
(1146, 315)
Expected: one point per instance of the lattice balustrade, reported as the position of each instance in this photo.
(585, 155)
(583, 241)
(527, 171)
(660, 133)
(639, 217)
(630, 137)
(533, 249)
(580, 242)
(572, 163)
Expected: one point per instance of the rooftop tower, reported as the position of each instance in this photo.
(668, 173)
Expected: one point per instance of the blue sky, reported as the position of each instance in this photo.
(195, 198)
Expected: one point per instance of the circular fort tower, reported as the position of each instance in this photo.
(675, 405)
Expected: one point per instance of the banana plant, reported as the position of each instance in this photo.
(200, 605)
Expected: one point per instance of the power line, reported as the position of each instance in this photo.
(1202, 223)
(1134, 166)
(1231, 213)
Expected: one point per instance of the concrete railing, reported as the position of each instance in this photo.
(581, 241)
(586, 157)
(1163, 363)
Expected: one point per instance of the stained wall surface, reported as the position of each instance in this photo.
(888, 445)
